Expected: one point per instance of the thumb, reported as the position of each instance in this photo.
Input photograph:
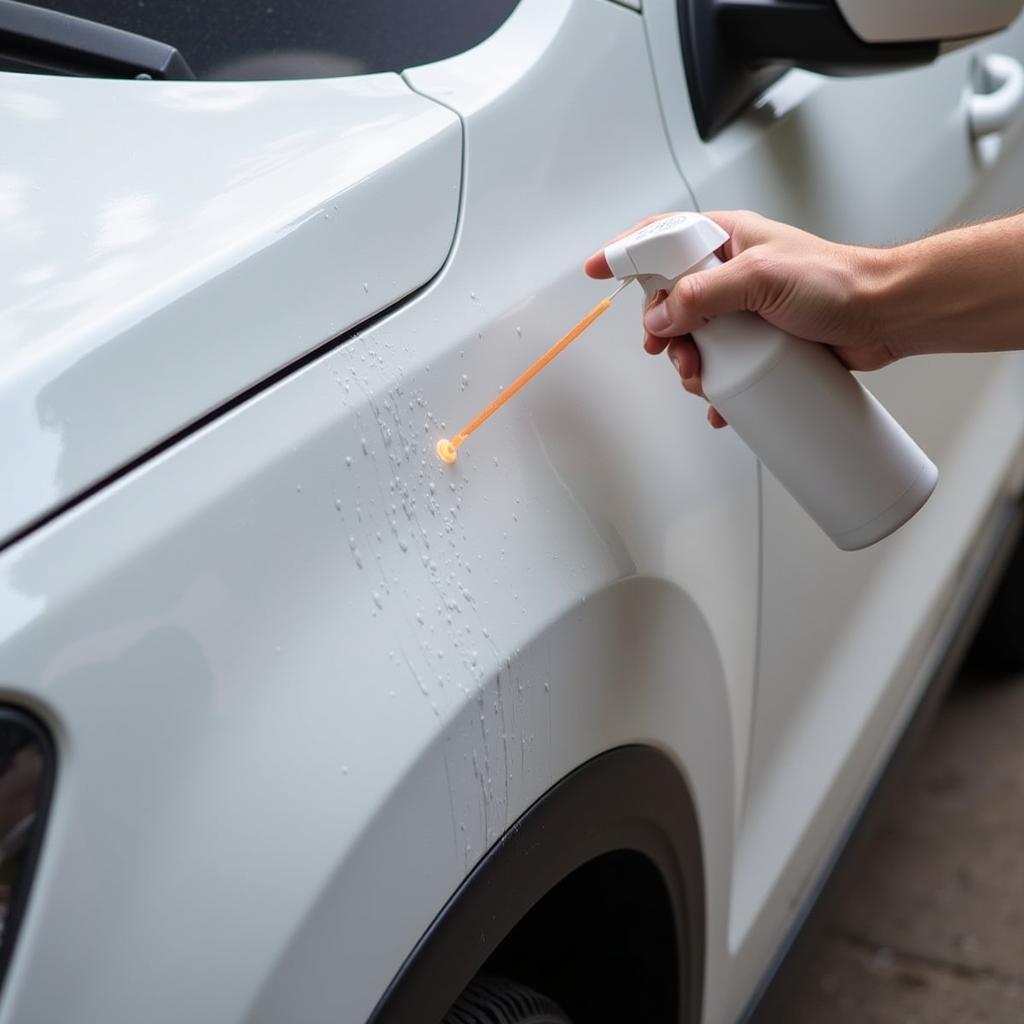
(700, 297)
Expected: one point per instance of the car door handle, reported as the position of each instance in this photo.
(996, 94)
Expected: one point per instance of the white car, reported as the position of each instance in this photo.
(301, 724)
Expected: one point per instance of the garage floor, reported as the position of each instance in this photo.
(931, 926)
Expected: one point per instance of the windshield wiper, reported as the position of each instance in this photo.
(49, 42)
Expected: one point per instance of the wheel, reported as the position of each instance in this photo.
(488, 999)
(999, 645)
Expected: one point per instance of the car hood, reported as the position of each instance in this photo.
(168, 245)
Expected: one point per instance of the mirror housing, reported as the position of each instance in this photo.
(734, 49)
(882, 21)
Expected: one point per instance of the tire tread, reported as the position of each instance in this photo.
(489, 999)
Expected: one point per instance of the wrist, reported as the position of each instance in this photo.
(905, 308)
(956, 291)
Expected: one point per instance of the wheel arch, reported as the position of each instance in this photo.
(631, 799)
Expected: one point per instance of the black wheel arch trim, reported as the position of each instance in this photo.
(628, 798)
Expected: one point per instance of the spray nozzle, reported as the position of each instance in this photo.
(658, 254)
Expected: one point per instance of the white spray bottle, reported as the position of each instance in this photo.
(813, 425)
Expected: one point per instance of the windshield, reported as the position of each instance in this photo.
(240, 40)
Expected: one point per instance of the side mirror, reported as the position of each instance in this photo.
(734, 49)
(882, 21)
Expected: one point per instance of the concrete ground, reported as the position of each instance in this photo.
(930, 929)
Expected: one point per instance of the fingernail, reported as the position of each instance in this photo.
(675, 363)
(657, 318)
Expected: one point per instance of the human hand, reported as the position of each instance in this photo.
(809, 287)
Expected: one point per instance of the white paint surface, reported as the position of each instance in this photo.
(168, 244)
(881, 21)
(872, 160)
(301, 675)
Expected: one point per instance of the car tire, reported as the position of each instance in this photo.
(488, 999)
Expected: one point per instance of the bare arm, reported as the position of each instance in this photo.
(958, 291)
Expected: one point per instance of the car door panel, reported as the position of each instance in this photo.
(843, 637)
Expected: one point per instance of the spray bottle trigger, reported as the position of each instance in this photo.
(652, 284)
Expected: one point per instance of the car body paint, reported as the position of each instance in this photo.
(301, 675)
(164, 259)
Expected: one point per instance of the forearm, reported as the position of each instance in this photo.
(958, 291)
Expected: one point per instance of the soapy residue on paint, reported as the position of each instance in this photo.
(393, 498)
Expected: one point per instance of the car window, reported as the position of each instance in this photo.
(232, 40)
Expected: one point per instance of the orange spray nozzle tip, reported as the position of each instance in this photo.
(446, 451)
